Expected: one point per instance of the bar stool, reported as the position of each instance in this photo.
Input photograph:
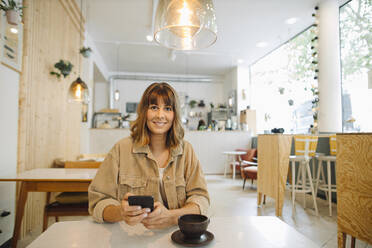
(326, 185)
(305, 146)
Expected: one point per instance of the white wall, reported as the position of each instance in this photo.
(132, 90)
(243, 84)
(9, 85)
(101, 96)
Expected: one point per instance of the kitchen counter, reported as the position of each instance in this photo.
(208, 145)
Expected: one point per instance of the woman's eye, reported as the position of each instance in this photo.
(168, 108)
(153, 107)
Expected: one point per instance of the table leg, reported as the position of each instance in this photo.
(19, 212)
(259, 198)
(279, 206)
(341, 239)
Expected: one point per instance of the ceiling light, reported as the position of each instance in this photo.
(291, 21)
(149, 38)
(116, 95)
(185, 24)
(240, 61)
(262, 44)
(14, 30)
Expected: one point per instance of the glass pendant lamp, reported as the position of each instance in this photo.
(78, 91)
(185, 24)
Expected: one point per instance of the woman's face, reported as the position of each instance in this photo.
(159, 117)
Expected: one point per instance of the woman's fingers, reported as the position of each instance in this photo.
(132, 214)
(133, 220)
(127, 195)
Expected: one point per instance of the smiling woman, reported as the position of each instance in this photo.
(155, 161)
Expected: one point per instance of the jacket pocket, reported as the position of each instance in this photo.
(181, 191)
(130, 184)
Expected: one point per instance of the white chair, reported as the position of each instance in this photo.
(322, 183)
(305, 147)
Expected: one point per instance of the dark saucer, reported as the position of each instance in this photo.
(179, 238)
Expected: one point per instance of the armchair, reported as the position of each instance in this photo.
(248, 165)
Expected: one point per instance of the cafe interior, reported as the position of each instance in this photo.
(275, 98)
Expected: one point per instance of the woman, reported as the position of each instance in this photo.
(154, 161)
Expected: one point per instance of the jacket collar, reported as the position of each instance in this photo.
(137, 148)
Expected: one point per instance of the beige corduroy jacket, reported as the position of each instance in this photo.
(132, 168)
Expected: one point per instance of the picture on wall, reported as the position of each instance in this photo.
(11, 44)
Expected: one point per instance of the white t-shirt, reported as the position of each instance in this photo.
(162, 197)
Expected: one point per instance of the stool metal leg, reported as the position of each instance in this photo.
(304, 164)
(318, 176)
(312, 189)
(329, 187)
(293, 164)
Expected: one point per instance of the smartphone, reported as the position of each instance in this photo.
(145, 201)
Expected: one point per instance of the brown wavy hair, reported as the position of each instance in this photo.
(140, 132)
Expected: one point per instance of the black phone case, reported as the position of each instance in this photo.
(142, 200)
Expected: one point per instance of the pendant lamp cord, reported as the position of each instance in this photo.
(81, 27)
(117, 57)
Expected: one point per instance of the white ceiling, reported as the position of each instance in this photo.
(241, 24)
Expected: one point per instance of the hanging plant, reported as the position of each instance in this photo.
(85, 51)
(192, 103)
(281, 90)
(12, 11)
(290, 102)
(64, 68)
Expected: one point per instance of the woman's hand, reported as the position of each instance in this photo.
(132, 215)
(160, 218)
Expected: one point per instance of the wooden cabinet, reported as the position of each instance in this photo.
(273, 161)
(354, 186)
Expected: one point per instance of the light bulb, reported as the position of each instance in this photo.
(78, 91)
(183, 18)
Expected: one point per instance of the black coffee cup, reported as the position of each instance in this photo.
(193, 226)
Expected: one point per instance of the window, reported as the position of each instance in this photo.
(284, 86)
(356, 56)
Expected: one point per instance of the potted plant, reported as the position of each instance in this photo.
(85, 51)
(64, 67)
(192, 103)
(12, 10)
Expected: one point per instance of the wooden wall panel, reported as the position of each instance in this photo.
(49, 126)
(354, 186)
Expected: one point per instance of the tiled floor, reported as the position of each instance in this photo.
(228, 199)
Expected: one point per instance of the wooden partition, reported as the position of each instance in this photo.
(354, 186)
(49, 126)
(273, 163)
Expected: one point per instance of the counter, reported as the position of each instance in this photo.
(208, 145)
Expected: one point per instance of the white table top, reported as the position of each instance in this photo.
(256, 231)
(53, 174)
(234, 152)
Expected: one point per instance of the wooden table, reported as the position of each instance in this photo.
(47, 180)
(241, 231)
(232, 154)
(354, 187)
(272, 169)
